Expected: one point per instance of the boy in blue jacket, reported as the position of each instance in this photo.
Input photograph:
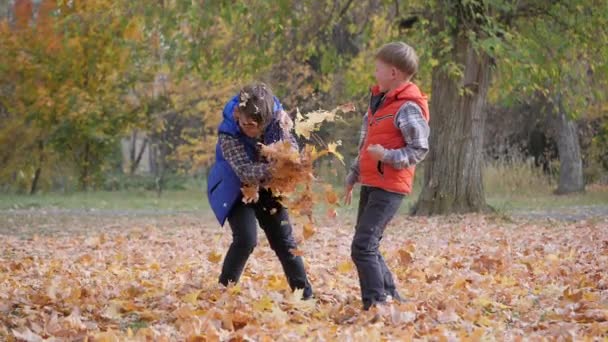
(251, 118)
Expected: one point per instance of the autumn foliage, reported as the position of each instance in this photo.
(468, 278)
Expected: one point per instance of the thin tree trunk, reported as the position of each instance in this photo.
(34, 186)
(568, 147)
(135, 162)
(452, 171)
(84, 171)
(160, 171)
(132, 150)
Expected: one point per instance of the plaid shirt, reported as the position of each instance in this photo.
(415, 131)
(249, 171)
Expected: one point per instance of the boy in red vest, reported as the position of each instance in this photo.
(394, 138)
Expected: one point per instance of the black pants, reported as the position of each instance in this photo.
(376, 208)
(274, 221)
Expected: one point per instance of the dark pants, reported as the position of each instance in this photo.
(278, 230)
(376, 208)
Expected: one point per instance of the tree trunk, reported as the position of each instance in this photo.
(135, 162)
(569, 150)
(132, 151)
(452, 170)
(38, 171)
(160, 170)
(84, 170)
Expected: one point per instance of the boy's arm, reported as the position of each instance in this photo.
(235, 154)
(353, 175)
(415, 131)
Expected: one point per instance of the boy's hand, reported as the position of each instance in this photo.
(376, 151)
(348, 194)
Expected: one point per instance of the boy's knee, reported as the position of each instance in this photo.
(362, 246)
(284, 244)
(358, 249)
(246, 244)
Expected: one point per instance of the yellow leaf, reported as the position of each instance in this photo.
(265, 303)
(191, 297)
(345, 267)
(214, 257)
(276, 283)
(309, 123)
(308, 230)
(332, 148)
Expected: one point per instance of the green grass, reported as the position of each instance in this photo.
(509, 186)
(518, 185)
(179, 200)
(546, 201)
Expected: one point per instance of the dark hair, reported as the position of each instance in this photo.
(256, 101)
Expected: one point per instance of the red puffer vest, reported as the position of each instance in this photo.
(381, 130)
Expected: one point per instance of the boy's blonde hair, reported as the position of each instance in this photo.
(401, 56)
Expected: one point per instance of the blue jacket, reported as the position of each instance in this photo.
(223, 185)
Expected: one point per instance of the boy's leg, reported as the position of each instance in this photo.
(278, 229)
(389, 283)
(379, 209)
(244, 239)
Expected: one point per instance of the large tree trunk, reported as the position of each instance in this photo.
(569, 150)
(452, 174)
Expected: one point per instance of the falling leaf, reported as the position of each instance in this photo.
(332, 148)
(310, 122)
(330, 195)
(309, 231)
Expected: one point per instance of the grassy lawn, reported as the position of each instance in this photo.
(183, 200)
(195, 200)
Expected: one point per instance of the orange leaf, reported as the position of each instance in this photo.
(296, 252)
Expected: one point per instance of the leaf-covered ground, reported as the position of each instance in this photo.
(465, 278)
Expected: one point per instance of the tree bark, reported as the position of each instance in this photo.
(160, 170)
(568, 147)
(38, 171)
(84, 170)
(137, 159)
(452, 171)
(132, 151)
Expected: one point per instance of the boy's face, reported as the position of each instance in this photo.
(248, 126)
(387, 75)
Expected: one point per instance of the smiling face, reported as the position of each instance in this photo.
(248, 126)
(255, 109)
